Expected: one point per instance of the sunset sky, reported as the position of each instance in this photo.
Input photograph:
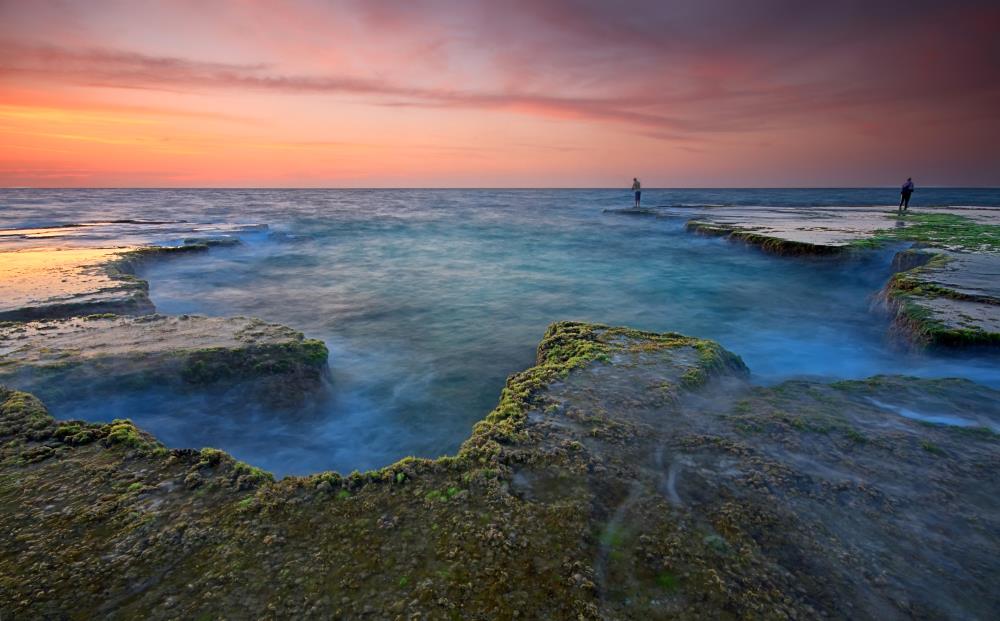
(534, 93)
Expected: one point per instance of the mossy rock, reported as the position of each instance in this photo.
(711, 499)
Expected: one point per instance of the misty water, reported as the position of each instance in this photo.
(429, 299)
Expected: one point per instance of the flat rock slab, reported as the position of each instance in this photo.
(957, 314)
(641, 211)
(830, 227)
(843, 485)
(49, 341)
(950, 301)
(51, 283)
(951, 298)
(40, 283)
(966, 274)
(627, 475)
(123, 352)
(821, 226)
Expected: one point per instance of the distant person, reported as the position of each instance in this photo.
(904, 194)
(637, 188)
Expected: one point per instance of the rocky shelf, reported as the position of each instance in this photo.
(626, 475)
(945, 292)
(70, 282)
(948, 298)
(114, 353)
(38, 284)
(76, 320)
(833, 230)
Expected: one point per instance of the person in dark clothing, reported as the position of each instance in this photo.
(637, 188)
(904, 194)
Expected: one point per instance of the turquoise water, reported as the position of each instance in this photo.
(429, 299)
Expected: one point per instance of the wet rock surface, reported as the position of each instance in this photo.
(828, 230)
(114, 353)
(79, 321)
(627, 475)
(946, 291)
(68, 282)
(793, 230)
(951, 298)
(37, 284)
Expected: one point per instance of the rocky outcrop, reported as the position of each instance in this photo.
(59, 283)
(947, 298)
(798, 231)
(42, 284)
(626, 475)
(912, 257)
(97, 333)
(112, 353)
(834, 230)
(944, 292)
(772, 243)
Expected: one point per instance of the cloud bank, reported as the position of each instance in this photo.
(747, 85)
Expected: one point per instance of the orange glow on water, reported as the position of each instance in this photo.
(30, 277)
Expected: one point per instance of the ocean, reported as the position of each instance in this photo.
(429, 299)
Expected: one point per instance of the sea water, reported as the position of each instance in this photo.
(429, 299)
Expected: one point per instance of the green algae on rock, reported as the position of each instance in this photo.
(120, 353)
(769, 243)
(943, 230)
(835, 230)
(99, 334)
(946, 299)
(602, 486)
(944, 292)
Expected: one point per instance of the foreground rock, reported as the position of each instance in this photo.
(627, 475)
(946, 292)
(111, 353)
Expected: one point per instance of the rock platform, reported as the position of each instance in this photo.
(626, 475)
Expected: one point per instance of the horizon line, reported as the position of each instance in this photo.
(623, 187)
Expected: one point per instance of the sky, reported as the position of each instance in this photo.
(519, 93)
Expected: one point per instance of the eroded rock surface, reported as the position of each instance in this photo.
(831, 230)
(37, 284)
(793, 230)
(950, 298)
(80, 321)
(627, 475)
(946, 291)
(69, 282)
(113, 353)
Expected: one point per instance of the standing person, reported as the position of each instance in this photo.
(637, 188)
(904, 194)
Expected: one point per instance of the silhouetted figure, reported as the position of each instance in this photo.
(904, 194)
(637, 188)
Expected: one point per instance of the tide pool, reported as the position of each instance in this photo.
(429, 299)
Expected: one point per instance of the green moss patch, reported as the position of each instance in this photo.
(673, 512)
(939, 229)
(205, 366)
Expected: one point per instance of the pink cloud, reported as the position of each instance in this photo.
(693, 75)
